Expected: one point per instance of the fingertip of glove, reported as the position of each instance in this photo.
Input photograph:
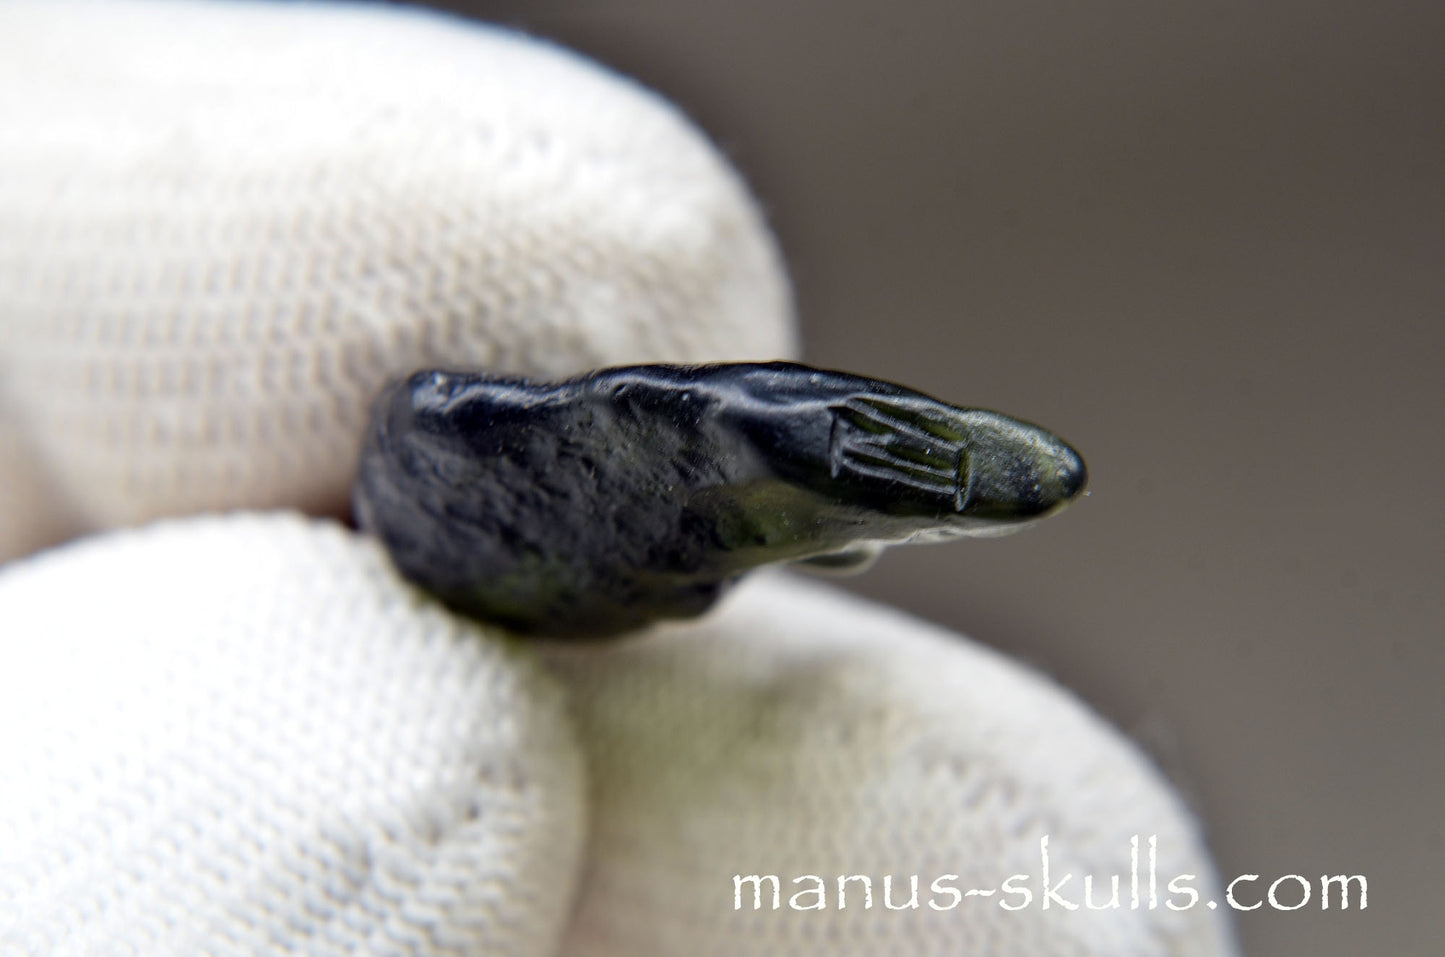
(800, 731)
(229, 224)
(246, 729)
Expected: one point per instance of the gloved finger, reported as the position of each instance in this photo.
(245, 735)
(803, 735)
(224, 226)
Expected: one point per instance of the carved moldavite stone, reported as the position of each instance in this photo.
(596, 505)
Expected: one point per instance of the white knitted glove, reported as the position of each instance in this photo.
(222, 227)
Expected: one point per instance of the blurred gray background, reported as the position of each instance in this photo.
(1205, 243)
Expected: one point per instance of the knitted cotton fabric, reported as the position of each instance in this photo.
(245, 735)
(801, 733)
(223, 226)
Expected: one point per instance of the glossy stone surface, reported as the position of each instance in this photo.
(599, 504)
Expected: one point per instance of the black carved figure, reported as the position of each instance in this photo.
(601, 503)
